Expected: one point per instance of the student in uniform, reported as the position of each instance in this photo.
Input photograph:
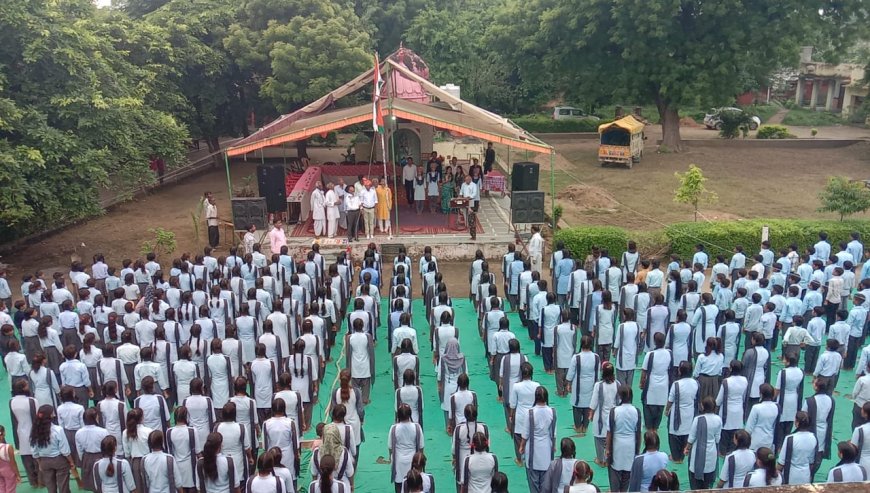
(739, 463)
(654, 378)
(731, 401)
(681, 410)
(113, 474)
(861, 394)
(216, 473)
(626, 342)
(70, 417)
(136, 445)
(463, 435)
(647, 464)
(479, 467)
(561, 470)
(756, 364)
(22, 410)
(87, 443)
(405, 440)
(623, 440)
(828, 367)
(766, 473)
(703, 444)
(860, 440)
(604, 398)
(581, 378)
(161, 471)
(820, 408)
(847, 470)
(280, 431)
(51, 451)
(708, 369)
(798, 452)
(360, 359)
(789, 386)
(521, 400)
(200, 412)
(538, 440)
(763, 419)
(265, 481)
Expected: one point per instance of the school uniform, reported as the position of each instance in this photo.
(22, 410)
(122, 481)
(405, 439)
(790, 384)
(539, 434)
(654, 395)
(756, 366)
(625, 342)
(644, 467)
(521, 399)
(704, 437)
(847, 473)
(87, 445)
(462, 435)
(736, 466)
(860, 439)
(683, 399)
(797, 457)
(828, 370)
(583, 375)
(623, 426)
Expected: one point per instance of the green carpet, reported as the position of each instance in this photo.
(373, 473)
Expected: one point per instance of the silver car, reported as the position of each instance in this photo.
(713, 121)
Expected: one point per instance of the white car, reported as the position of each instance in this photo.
(713, 122)
(571, 113)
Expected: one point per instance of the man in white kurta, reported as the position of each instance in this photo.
(536, 249)
(333, 215)
(318, 210)
(340, 191)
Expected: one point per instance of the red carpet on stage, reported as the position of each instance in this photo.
(427, 223)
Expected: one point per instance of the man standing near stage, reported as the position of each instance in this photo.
(277, 237)
(409, 174)
(318, 210)
(369, 199)
(488, 158)
(211, 220)
(332, 214)
(340, 191)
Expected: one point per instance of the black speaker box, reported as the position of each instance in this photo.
(524, 177)
(527, 207)
(248, 211)
(270, 181)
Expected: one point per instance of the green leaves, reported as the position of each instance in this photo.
(692, 189)
(844, 197)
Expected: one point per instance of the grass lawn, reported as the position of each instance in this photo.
(808, 118)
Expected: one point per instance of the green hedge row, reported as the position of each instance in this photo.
(544, 124)
(719, 237)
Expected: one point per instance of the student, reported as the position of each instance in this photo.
(766, 473)
(266, 481)
(521, 400)
(756, 366)
(350, 397)
(820, 409)
(729, 332)
(538, 439)
(647, 464)
(581, 378)
(702, 447)
(22, 409)
(828, 367)
(463, 438)
(763, 419)
(70, 417)
(51, 451)
(678, 341)
(200, 412)
(113, 474)
(708, 369)
(847, 470)
(789, 386)
(561, 470)
(565, 343)
(859, 439)
(860, 395)
(479, 467)
(412, 395)
(160, 467)
(731, 401)
(43, 381)
(360, 358)
(739, 463)
(405, 440)
(280, 431)
(605, 325)
(581, 481)
(681, 409)
(626, 342)
(798, 452)
(604, 399)
(87, 443)
(623, 440)
(654, 378)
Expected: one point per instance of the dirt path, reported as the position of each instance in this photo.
(777, 117)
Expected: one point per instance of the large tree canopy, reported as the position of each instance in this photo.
(668, 52)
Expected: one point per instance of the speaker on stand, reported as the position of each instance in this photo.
(524, 177)
(248, 211)
(527, 207)
(270, 182)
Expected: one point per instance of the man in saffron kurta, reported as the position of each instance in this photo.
(384, 206)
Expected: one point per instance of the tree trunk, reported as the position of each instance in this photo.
(302, 149)
(670, 119)
(214, 146)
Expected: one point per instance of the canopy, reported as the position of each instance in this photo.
(453, 114)
(628, 123)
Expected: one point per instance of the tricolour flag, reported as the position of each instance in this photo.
(377, 117)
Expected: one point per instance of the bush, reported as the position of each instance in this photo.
(773, 132)
(580, 240)
(546, 124)
(721, 237)
(733, 124)
(808, 118)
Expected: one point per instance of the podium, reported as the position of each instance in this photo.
(458, 209)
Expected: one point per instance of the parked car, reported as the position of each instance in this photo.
(713, 121)
(571, 113)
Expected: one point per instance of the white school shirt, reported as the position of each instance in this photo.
(733, 408)
(88, 439)
(714, 431)
(626, 422)
(540, 438)
(861, 439)
(522, 398)
(657, 376)
(794, 377)
(604, 398)
(743, 463)
(123, 476)
(761, 423)
(803, 446)
(687, 406)
(851, 473)
(625, 343)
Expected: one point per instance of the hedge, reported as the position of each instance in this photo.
(544, 124)
(719, 237)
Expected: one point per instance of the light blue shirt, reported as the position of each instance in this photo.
(823, 251)
(857, 250)
(654, 278)
(738, 261)
(74, 373)
(57, 445)
(828, 364)
(856, 320)
(563, 275)
(812, 299)
(699, 258)
(805, 270)
(766, 257)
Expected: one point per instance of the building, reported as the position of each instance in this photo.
(840, 88)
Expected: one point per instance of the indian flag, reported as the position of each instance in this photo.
(377, 117)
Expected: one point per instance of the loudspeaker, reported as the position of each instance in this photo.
(527, 207)
(270, 181)
(248, 211)
(524, 177)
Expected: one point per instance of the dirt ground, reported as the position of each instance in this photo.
(750, 183)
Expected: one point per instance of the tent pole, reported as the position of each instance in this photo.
(229, 180)
(553, 189)
(395, 180)
(392, 88)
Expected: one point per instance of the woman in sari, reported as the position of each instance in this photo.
(447, 190)
(459, 177)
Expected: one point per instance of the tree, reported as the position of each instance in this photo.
(389, 20)
(845, 197)
(668, 52)
(692, 190)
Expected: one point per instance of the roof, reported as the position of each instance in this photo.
(459, 116)
(628, 123)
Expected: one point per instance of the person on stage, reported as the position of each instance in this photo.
(318, 210)
(384, 206)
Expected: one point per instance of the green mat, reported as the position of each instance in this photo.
(373, 473)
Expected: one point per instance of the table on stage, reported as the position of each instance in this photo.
(495, 181)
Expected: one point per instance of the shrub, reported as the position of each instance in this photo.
(733, 124)
(773, 132)
(580, 240)
(807, 118)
